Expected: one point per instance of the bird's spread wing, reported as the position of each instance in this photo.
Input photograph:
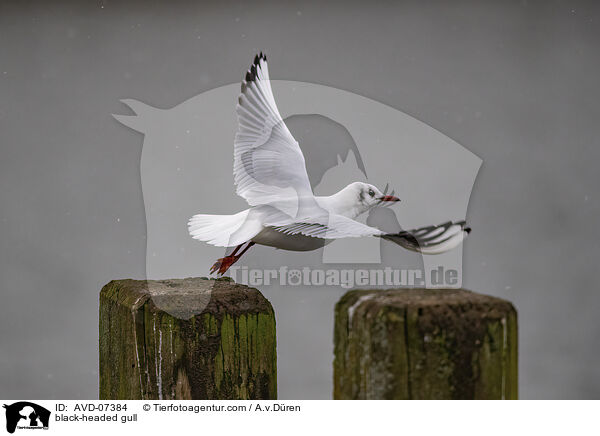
(431, 239)
(269, 167)
(328, 226)
(427, 240)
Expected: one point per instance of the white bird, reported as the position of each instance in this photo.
(270, 174)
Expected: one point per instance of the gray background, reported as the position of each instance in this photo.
(514, 82)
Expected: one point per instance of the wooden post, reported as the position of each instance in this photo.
(186, 339)
(424, 344)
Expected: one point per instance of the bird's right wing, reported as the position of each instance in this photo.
(269, 167)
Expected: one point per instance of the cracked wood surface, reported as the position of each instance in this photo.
(186, 339)
(424, 344)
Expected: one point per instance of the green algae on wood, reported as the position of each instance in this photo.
(186, 339)
(424, 344)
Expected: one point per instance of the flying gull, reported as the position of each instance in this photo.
(270, 174)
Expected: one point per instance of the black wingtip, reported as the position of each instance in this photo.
(260, 56)
(251, 74)
(467, 229)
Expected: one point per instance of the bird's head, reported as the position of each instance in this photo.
(364, 196)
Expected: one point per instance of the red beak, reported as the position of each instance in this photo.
(389, 198)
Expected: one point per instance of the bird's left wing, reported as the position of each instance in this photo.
(328, 226)
(431, 239)
(427, 240)
(269, 167)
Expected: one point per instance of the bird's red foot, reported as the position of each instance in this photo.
(223, 264)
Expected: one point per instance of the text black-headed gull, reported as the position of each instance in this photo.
(270, 174)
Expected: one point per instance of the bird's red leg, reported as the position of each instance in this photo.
(219, 263)
(223, 264)
(245, 249)
(235, 250)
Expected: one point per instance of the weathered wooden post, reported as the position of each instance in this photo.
(424, 344)
(186, 339)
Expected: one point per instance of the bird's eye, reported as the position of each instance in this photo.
(371, 193)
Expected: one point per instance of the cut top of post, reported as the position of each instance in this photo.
(185, 298)
(405, 297)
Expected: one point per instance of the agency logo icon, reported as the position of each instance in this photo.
(26, 415)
